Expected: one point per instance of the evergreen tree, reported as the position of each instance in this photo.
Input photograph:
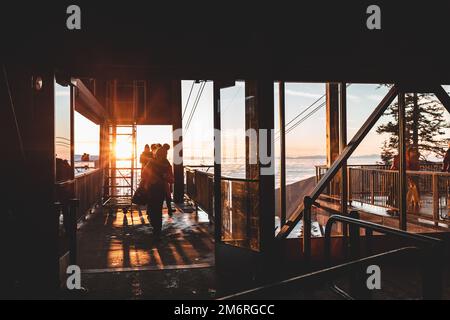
(425, 124)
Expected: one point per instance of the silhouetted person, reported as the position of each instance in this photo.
(168, 197)
(154, 147)
(146, 155)
(446, 162)
(64, 170)
(156, 177)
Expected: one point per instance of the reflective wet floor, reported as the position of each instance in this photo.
(112, 241)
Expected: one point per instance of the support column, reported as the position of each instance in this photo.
(332, 122)
(266, 161)
(33, 219)
(343, 144)
(402, 187)
(282, 115)
(178, 169)
(217, 167)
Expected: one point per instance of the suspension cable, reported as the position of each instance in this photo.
(187, 102)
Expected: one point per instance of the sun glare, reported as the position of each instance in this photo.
(123, 149)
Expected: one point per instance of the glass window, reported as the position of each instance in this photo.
(63, 140)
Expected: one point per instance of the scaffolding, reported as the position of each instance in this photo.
(122, 173)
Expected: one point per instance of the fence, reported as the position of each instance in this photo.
(200, 187)
(428, 189)
(89, 190)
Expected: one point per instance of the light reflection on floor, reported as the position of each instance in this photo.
(125, 242)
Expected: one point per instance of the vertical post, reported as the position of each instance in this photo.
(282, 112)
(265, 115)
(72, 129)
(307, 228)
(217, 166)
(342, 145)
(39, 142)
(113, 181)
(372, 187)
(178, 170)
(435, 198)
(402, 161)
(332, 121)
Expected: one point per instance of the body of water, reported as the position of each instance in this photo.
(296, 168)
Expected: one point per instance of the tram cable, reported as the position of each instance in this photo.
(300, 121)
(188, 99)
(194, 107)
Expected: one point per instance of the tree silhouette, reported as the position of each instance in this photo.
(425, 127)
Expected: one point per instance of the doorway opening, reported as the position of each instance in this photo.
(120, 237)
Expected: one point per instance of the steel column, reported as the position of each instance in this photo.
(282, 115)
(343, 144)
(402, 161)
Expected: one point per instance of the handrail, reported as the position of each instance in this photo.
(87, 173)
(323, 275)
(223, 178)
(431, 271)
(426, 240)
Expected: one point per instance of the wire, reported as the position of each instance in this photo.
(193, 104)
(296, 124)
(189, 97)
(13, 110)
(194, 108)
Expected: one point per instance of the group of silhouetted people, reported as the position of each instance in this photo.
(157, 179)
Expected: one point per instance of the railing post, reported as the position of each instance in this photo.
(349, 185)
(435, 198)
(372, 187)
(307, 228)
(402, 189)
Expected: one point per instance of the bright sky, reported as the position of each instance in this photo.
(87, 136)
(305, 140)
(62, 118)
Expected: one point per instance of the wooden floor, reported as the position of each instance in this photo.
(111, 242)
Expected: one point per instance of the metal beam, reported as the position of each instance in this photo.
(343, 144)
(443, 97)
(87, 104)
(332, 120)
(217, 166)
(402, 188)
(282, 111)
(346, 153)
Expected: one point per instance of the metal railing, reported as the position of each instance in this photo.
(89, 190)
(200, 187)
(239, 203)
(430, 249)
(428, 191)
(314, 280)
